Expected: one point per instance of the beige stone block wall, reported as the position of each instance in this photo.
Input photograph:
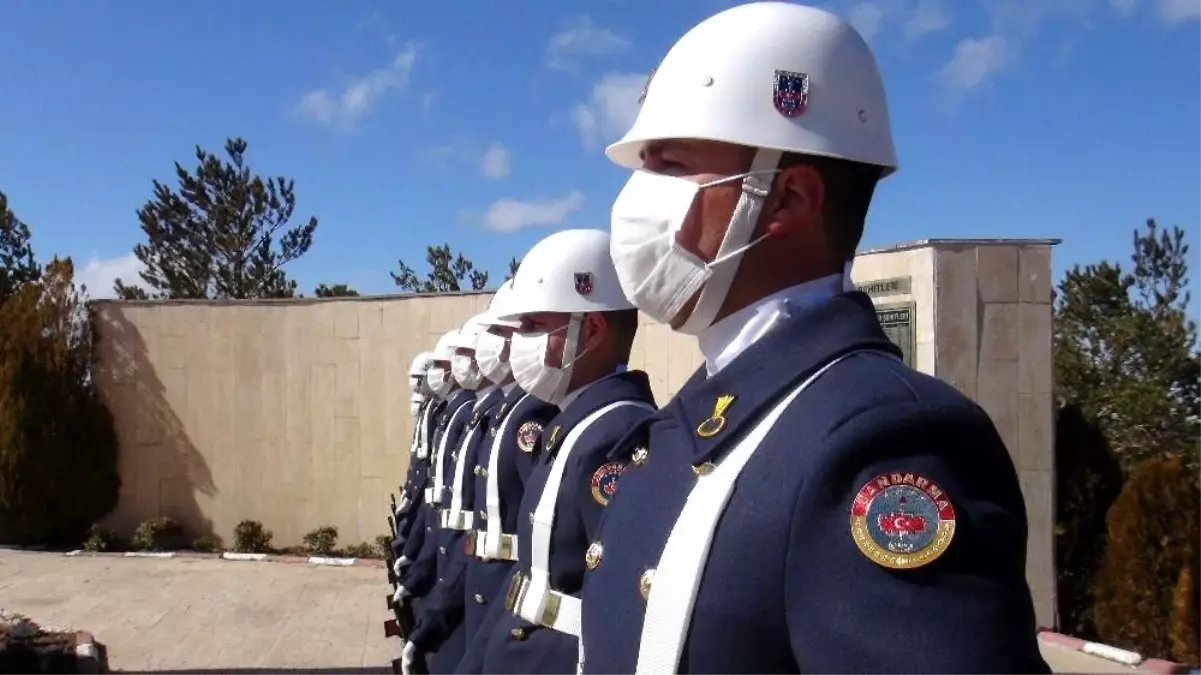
(295, 413)
(993, 300)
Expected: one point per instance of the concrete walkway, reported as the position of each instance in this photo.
(186, 614)
(183, 614)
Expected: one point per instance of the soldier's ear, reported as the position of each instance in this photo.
(592, 331)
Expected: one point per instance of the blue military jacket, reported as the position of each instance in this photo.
(414, 488)
(787, 587)
(421, 575)
(442, 612)
(516, 458)
(510, 644)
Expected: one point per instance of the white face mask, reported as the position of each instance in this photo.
(465, 372)
(438, 381)
(487, 356)
(527, 354)
(655, 272)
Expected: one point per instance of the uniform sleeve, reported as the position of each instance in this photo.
(420, 575)
(966, 609)
(443, 608)
(592, 474)
(540, 414)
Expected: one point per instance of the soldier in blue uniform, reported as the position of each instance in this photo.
(421, 575)
(411, 497)
(576, 332)
(806, 503)
(502, 467)
(440, 633)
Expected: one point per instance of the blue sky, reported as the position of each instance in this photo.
(482, 124)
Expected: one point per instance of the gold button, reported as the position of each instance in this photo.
(644, 583)
(429, 528)
(703, 469)
(439, 580)
(531, 517)
(442, 550)
(518, 634)
(479, 599)
(454, 456)
(484, 471)
(639, 456)
(483, 515)
(476, 469)
(592, 558)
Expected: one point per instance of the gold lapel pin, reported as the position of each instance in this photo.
(717, 421)
(554, 436)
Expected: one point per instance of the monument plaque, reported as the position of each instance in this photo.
(897, 320)
(883, 287)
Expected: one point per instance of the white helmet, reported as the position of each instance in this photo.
(496, 308)
(466, 336)
(771, 75)
(444, 349)
(421, 363)
(568, 272)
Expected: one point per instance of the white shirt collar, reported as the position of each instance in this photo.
(567, 400)
(481, 394)
(726, 339)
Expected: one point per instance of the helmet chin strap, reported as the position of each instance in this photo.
(755, 188)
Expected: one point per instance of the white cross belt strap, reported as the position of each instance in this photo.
(677, 578)
(455, 518)
(423, 450)
(535, 601)
(493, 539)
(433, 496)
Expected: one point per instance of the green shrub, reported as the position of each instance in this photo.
(1186, 615)
(1153, 529)
(207, 543)
(58, 448)
(383, 545)
(322, 540)
(158, 534)
(99, 540)
(1088, 478)
(363, 550)
(251, 537)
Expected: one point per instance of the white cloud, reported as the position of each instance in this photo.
(495, 162)
(1124, 8)
(582, 37)
(867, 18)
(98, 274)
(973, 62)
(509, 215)
(928, 16)
(342, 110)
(915, 18)
(1178, 11)
(610, 109)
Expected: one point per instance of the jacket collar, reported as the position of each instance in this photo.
(630, 385)
(715, 410)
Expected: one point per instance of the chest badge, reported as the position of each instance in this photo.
(902, 521)
(527, 436)
(717, 421)
(604, 482)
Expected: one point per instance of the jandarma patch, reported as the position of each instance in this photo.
(527, 436)
(604, 482)
(902, 520)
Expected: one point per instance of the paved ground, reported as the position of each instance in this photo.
(185, 614)
(182, 614)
